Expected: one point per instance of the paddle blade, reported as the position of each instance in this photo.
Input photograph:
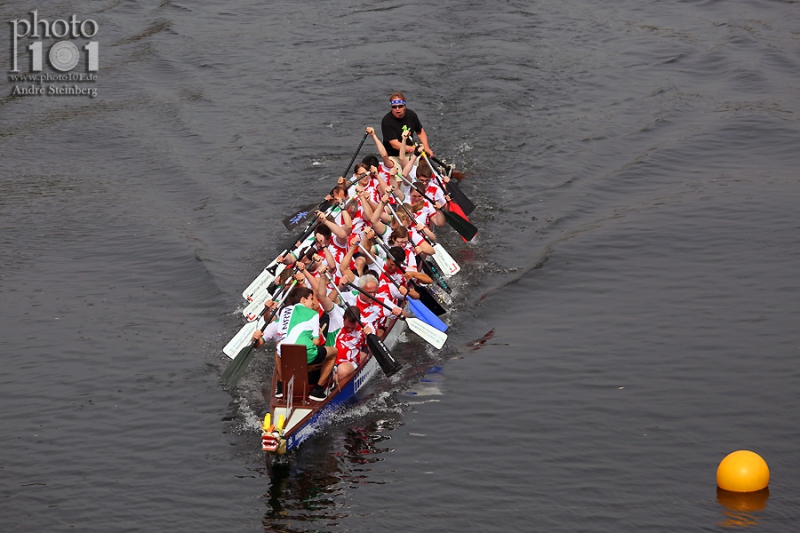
(435, 275)
(458, 196)
(429, 334)
(299, 218)
(236, 369)
(446, 263)
(441, 296)
(256, 308)
(426, 315)
(462, 226)
(430, 301)
(388, 364)
(240, 340)
(260, 283)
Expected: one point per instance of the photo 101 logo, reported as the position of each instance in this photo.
(54, 41)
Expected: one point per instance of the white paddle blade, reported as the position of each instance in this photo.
(255, 307)
(240, 340)
(430, 334)
(446, 263)
(260, 283)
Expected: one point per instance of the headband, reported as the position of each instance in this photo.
(398, 102)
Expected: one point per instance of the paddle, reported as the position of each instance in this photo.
(240, 340)
(451, 188)
(452, 173)
(256, 289)
(329, 210)
(431, 270)
(312, 223)
(297, 218)
(256, 306)
(236, 368)
(443, 259)
(388, 364)
(417, 306)
(350, 164)
(458, 223)
(431, 335)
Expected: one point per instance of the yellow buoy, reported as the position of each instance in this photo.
(743, 471)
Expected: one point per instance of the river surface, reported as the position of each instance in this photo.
(635, 167)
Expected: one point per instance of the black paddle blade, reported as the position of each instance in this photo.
(458, 196)
(463, 227)
(431, 270)
(301, 217)
(430, 302)
(388, 364)
(235, 370)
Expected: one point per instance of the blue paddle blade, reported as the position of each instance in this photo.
(426, 315)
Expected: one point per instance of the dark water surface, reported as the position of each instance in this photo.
(635, 170)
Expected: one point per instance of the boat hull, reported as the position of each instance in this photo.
(303, 422)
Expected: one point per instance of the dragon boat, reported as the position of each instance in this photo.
(294, 418)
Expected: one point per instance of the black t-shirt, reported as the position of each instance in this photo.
(392, 128)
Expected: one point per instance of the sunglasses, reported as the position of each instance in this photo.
(398, 106)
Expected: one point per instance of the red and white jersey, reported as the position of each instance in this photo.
(385, 173)
(423, 214)
(359, 220)
(385, 179)
(348, 345)
(434, 191)
(372, 313)
(387, 291)
(415, 237)
(411, 259)
(337, 250)
(372, 188)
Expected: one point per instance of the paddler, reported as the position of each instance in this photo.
(273, 330)
(350, 343)
(424, 213)
(372, 313)
(300, 324)
(388, 167)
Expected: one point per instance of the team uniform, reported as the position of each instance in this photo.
(424, 214)
(300, 325)
(335, 325)
(349, 345)
(436, 192)
(415, 238)
(384, 178)
(372, 313)
(387, 291)
(433, 190)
